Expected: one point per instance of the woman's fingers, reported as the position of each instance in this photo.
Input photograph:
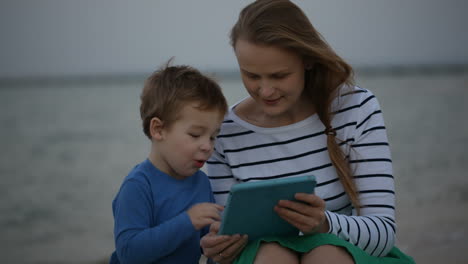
(308, 204)
(306, 215)
(230, 252)
(211, 241)
(242, 243)
(213, 245)
(307, 200)
(299, 207)
(222, 248)
(307, 224)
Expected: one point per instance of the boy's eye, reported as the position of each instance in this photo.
(194, 135)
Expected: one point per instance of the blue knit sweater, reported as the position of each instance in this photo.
(151, 220)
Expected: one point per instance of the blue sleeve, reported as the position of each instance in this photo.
(205, 230)
(136, 241)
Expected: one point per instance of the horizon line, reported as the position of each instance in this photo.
(228, 74)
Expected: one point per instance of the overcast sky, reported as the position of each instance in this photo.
(65, 37)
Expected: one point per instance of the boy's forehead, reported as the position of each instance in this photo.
(193, 114)
(197, 108)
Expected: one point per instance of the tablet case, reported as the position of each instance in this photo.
(249, 208)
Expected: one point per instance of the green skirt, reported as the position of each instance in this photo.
(304, 244)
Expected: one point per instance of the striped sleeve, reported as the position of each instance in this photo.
(374, 229)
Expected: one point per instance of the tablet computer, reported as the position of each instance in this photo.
(250, 206)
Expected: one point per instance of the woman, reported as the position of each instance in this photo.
(304, 116)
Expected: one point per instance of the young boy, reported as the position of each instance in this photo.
(165, 204)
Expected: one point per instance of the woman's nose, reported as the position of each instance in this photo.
(266, 88)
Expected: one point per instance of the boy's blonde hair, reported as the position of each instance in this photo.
(168, 89)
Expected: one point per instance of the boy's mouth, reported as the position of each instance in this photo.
(199, 163)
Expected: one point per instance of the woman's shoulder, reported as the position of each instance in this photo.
(354, 92)
(352, 97)
(234, 120)
(232, 124)
(243, 107)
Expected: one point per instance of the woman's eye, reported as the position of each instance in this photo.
(279, 76)
(194, 135)
(252, 76)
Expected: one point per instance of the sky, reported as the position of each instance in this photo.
(46, 38)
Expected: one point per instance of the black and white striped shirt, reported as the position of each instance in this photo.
(244, 152)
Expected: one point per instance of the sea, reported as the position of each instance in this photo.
(66, 146)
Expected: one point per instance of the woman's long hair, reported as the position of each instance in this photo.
(283, 24)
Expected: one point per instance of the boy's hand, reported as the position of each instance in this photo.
(204, 214)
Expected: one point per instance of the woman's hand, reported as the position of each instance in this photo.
(308, 215)
(222, 248)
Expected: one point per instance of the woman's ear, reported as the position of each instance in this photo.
(156, 128)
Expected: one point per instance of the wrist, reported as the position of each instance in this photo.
(324, 227)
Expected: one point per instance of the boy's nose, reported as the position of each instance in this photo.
(207, 145)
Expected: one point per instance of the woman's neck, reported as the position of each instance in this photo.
(249, 111)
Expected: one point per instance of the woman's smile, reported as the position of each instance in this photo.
(271, 102)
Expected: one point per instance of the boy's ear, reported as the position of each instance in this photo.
(156, 128)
